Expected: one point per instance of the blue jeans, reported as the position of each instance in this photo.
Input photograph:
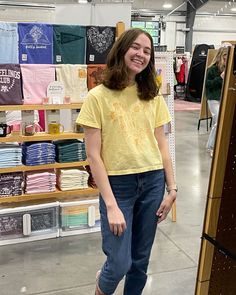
(214, 106)
(138, 196)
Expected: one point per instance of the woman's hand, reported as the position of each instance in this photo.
(116, 220)
(166, 205)
(222, 75)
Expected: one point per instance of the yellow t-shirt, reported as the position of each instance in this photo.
(127, 126)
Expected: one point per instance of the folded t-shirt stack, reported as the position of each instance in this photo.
(10, 155)
(70, 179)
(11, 184)
(38, 153)
(40, 182)
(71, 150)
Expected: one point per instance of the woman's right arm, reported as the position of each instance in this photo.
(93, 150)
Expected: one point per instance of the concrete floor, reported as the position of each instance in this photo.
(67, 266)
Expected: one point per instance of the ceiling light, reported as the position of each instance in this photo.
(233, 9)
(167, 5)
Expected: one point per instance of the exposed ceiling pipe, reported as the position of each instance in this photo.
(26, 5)
(172, 11)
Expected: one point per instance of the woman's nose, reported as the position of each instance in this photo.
(140, 52)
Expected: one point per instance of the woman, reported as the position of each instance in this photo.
(128, 154)
(214, 82)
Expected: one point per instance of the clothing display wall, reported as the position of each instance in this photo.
(50, 162)
(39, 43)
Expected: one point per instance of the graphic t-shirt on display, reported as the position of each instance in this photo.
(68, 44)
(95, 73)
(35, 43)
(10, 84)
(99, 42)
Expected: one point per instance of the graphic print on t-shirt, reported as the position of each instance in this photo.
(35, 43)
(99, 43)
(10, 84)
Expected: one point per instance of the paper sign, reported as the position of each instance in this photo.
(56, 92)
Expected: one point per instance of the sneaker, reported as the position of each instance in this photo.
(97, 289)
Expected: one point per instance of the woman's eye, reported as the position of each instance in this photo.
(135, 47)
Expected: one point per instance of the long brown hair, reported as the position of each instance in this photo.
(116, 75)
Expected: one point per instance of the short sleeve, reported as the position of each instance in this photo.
(162, 113)
(90, 114)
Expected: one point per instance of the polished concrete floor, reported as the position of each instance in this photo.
(67, 266)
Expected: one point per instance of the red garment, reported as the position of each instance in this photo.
(42, 119)
(180, 76)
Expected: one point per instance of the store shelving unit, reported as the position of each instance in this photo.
(43, 136)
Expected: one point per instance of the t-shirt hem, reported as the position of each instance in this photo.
(84, 123)
(134, 171)
(163, 122)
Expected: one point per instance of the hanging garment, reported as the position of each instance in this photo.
(180, 75)
(36, 78)
(68, 44)
(74, 79)
(95, 75)
(99, 43)
(9, 43)
(10, 84)
(35, 43)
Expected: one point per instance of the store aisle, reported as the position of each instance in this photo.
(67, 266)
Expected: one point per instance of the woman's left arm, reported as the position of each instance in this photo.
(169, 199)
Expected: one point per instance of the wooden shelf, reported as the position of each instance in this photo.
(27, 107)
(41, 136)
(80, 194)
(23, 168)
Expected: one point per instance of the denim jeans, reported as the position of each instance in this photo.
(214, 106)
(138, 196)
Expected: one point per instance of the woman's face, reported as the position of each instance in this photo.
(138, 55)
(224, 59)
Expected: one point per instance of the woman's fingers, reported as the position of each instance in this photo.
(118, 229)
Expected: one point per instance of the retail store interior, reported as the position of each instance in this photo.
(68, 265)
(65, 262)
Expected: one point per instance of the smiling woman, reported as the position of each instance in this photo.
(123, 121)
